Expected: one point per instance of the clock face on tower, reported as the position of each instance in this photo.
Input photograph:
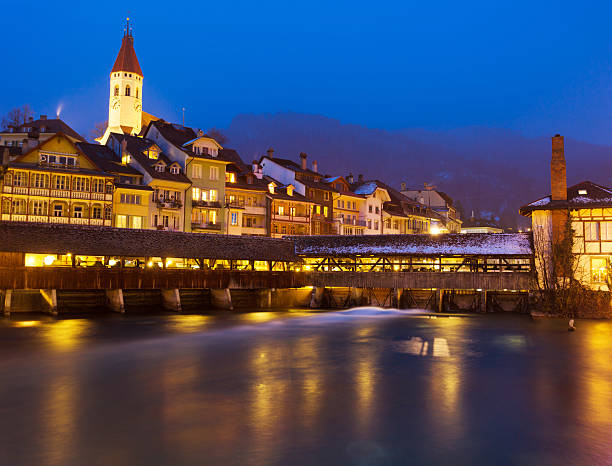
(115, 104)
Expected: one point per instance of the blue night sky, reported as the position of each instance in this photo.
(534, 67)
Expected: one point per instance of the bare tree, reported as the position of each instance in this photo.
(16, 116)
(98, 130)
(217, 135)
(558, 273)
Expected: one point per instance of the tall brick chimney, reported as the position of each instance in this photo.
(558, 188)
(558, 175)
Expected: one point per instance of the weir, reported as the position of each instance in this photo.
(49, 268)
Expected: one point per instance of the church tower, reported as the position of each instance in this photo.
(125, 100)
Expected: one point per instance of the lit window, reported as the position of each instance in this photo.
(582, 192)
(212, 217)
(121, 221)
(195, 194)
(212, 195)
(325, 211)
(599, 269)
(136, 222)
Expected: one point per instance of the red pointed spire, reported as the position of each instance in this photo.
(126, 59)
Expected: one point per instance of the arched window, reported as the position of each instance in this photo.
(136, 92)
(127, 91)
(116, 90)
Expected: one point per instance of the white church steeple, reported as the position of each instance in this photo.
(125, 101)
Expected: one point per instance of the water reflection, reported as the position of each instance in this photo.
(318, 389)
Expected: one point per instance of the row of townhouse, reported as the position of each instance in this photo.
(146, 173)
(175, 178)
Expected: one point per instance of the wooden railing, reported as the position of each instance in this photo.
(134, 278)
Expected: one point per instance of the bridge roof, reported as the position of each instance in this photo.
(477, 244)
(44, 238)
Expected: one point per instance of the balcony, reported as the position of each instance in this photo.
(208, 204)
(254, 230)
(168, 203)
(206, 226)
(58, 193)
(61, 220)
(291, 218)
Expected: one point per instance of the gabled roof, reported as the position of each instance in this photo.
(136, 146)
(583, 195)
(126, 58)
(181, 136)
(53, 125)
(291, 165)
(42, 144)
(106, 159)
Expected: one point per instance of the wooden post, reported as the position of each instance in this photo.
(440, 300)
(483, 301)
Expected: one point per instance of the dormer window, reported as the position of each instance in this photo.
(175, 170)
(230, 177)
(152, 153)
(125, 159)
(271, 188)
(582, 192)
(290, 190)
(160, 168)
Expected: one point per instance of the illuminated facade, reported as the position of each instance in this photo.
(57, 183)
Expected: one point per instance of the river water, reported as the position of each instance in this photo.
(361, 387)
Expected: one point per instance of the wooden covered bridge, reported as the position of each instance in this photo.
(65, 266)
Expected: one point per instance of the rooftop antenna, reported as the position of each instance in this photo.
(184, 115)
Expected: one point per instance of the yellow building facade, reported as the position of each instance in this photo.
(57, 183)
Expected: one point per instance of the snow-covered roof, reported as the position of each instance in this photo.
(366, 188)
(477, 244)
(580, 196)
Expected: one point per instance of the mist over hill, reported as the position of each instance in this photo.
(489, 171)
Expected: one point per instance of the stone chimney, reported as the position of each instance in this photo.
(270, 153)
(315, 166)
(304, 160)
(200, 133)
(558, 176)
(254, 165)
(123, 148)
(403, 186)
(350, 178)
(360, 178)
